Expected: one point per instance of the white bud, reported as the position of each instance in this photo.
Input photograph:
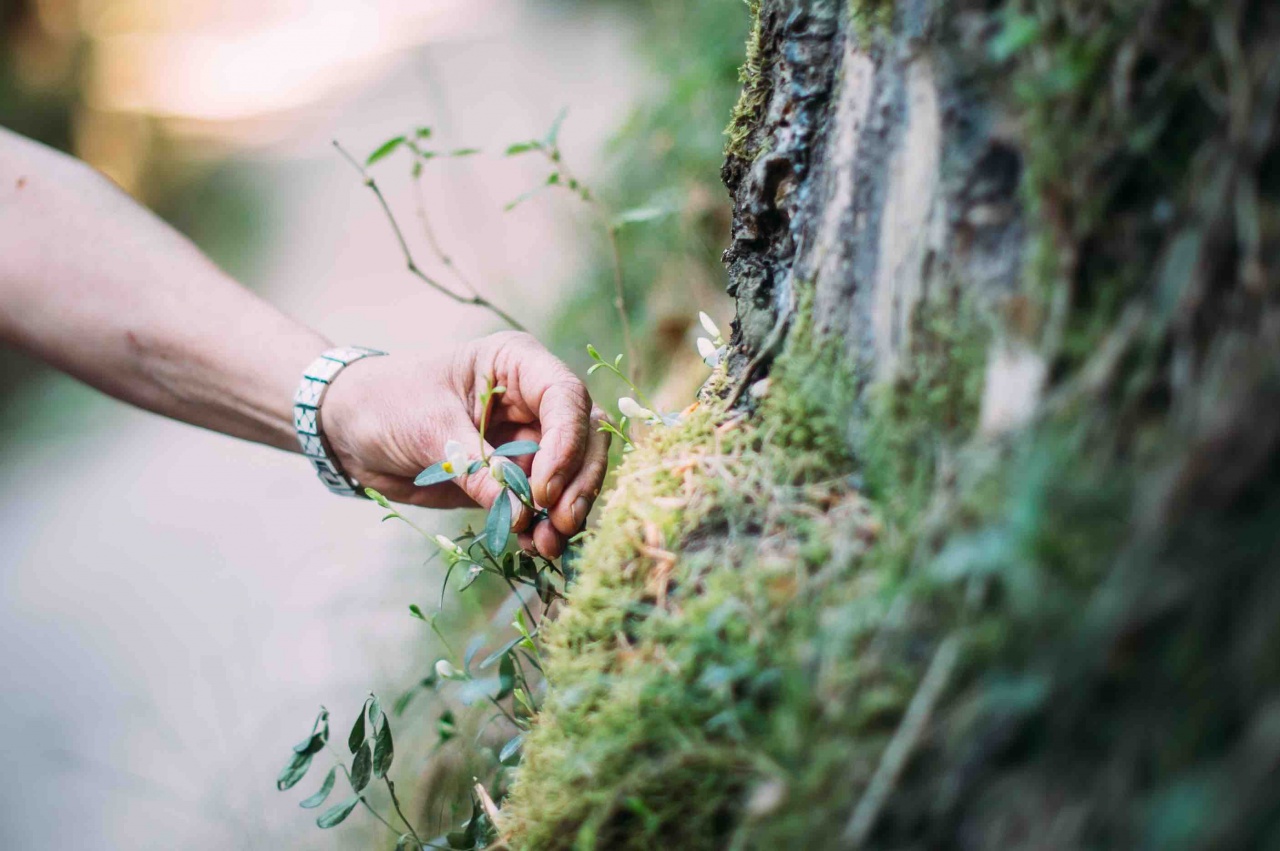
(712, 328)
(709, 352)
(496, 470)
(444, 670)
(448, 546)
(634, 410)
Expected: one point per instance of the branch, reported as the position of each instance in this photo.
(475, 300)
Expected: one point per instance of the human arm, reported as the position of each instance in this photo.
(99, 287)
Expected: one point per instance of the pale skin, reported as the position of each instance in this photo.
(102, 289)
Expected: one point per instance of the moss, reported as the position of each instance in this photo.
(749, 109)
(870, 19)
(750, 628)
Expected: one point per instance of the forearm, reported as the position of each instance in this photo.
(99, 287)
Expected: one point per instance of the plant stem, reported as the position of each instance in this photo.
(532, 623)
(363, 800)
(575, 186)
(476, 300)
(395, 802)
(445, 259)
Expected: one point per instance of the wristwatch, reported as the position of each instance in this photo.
(309, 424)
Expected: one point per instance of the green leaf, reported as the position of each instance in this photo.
(520, 199)
(591, 370)
(554, 133)
(375, 711)
(434, 475)
(446, 726)
(516, 448)
(356, 739)
(337, 815)
(325, 788)
(497, 528)
(500, 652)
(510, 751)
(422, 133)
(519, 483)
(475, 467)
(591, 350)
(384, 149)
(383, 751)
(377, 497)
(294, 771)
(416, 611)
(506, 677)
(361, 767)
(464, 152)
(319, 734)
(521, 148)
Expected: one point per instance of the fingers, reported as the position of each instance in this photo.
(540, 383)
(570, 512)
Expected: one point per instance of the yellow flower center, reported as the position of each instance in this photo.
(447, 466)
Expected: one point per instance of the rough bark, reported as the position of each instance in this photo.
(990, 558)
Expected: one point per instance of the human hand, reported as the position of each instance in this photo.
(389, 418)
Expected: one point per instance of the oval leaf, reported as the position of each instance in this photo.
(318, 798)
(497, 528)
(433, 475)
(506, 677)
(500, 652)
(518, 482)
(510, 753)
(517, 447)
(294, 771)
(337, 815)
(356, 739)
(383, 751)
(375, 712)
(384, 149)
(361, 768)
(522, 148)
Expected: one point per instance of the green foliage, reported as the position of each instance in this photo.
(754, 96)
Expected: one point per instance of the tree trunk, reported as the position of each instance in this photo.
(1006, 283)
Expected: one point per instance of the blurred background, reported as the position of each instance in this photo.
(175, 605)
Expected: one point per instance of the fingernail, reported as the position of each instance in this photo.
(555, 487)
(581, 506)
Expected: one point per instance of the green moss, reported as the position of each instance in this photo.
(754, 97)
(870, 18)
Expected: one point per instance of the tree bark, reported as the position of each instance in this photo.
(1088, 192)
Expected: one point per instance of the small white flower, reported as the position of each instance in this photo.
(712, 328)
(445, 670)
(709, 352)
(632, 409)
(455, 458)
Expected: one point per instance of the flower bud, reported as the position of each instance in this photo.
(445, 670)
(634, 410)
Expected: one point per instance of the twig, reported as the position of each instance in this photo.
(611, 232)
(903, 744)
(476, 300)
(363, 800)
(395, 802)
(436, 248)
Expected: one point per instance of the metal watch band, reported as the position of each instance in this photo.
(310, 425)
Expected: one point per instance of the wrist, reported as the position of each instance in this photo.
(317, 421)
